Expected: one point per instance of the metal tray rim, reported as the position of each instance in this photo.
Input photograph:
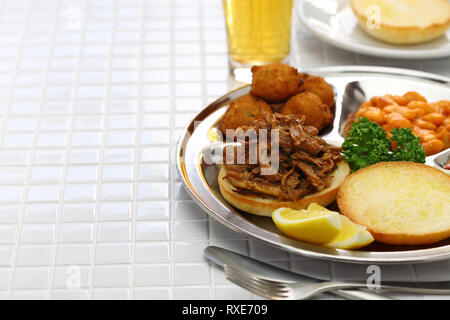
(245, 227)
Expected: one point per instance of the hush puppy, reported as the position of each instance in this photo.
(275, 82)
(317, 114)
(243, 111)
(319, 87)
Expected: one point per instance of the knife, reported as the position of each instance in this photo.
(223, 257)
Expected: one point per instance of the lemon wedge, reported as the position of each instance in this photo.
(317, 207)
(318, 225)
(313, 226)
(352, 236)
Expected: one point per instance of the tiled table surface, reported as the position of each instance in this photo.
(93, 97)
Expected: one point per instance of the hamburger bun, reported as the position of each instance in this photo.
(265, 206)
(403, 21)
(401, 203)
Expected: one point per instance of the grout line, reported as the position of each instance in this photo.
(94, 114)
(123, 69)
(122, 56)
(137, 153)
(93, 147)
(204, 100)
(171, 150)
(88, 183)
(20, 217)
(119, 82)
(9, 100)
(106, 221)
(37, 33)
(65, 156)
(67, 148)
(102, 147)
(163, 96)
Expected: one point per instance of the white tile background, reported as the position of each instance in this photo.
(93, 96)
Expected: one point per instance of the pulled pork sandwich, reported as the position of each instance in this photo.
(293, 169)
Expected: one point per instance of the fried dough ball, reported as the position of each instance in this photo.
(243, 111)
(275, 82)
(319, 87)
(317, 114)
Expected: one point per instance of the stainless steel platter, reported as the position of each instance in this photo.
(352, 86)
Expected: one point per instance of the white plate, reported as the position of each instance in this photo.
(333, 21)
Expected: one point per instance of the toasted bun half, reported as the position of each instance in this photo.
(403, 21)
(265, 206)
(399, 202)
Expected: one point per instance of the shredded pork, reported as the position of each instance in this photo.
(305, 160)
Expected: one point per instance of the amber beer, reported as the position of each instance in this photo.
(259, 31)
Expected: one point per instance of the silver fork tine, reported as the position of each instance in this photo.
(247, 285)
(258, 291)
(243, 280)
(257, 285)
(282, 287)
(263, 283)
(299, 290)
(275, 289)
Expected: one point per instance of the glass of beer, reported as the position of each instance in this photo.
(258, 32)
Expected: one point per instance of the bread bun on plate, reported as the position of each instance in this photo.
(399, 202)
(265, 206)
(403, 21)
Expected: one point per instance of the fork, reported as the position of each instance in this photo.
(278, 290)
